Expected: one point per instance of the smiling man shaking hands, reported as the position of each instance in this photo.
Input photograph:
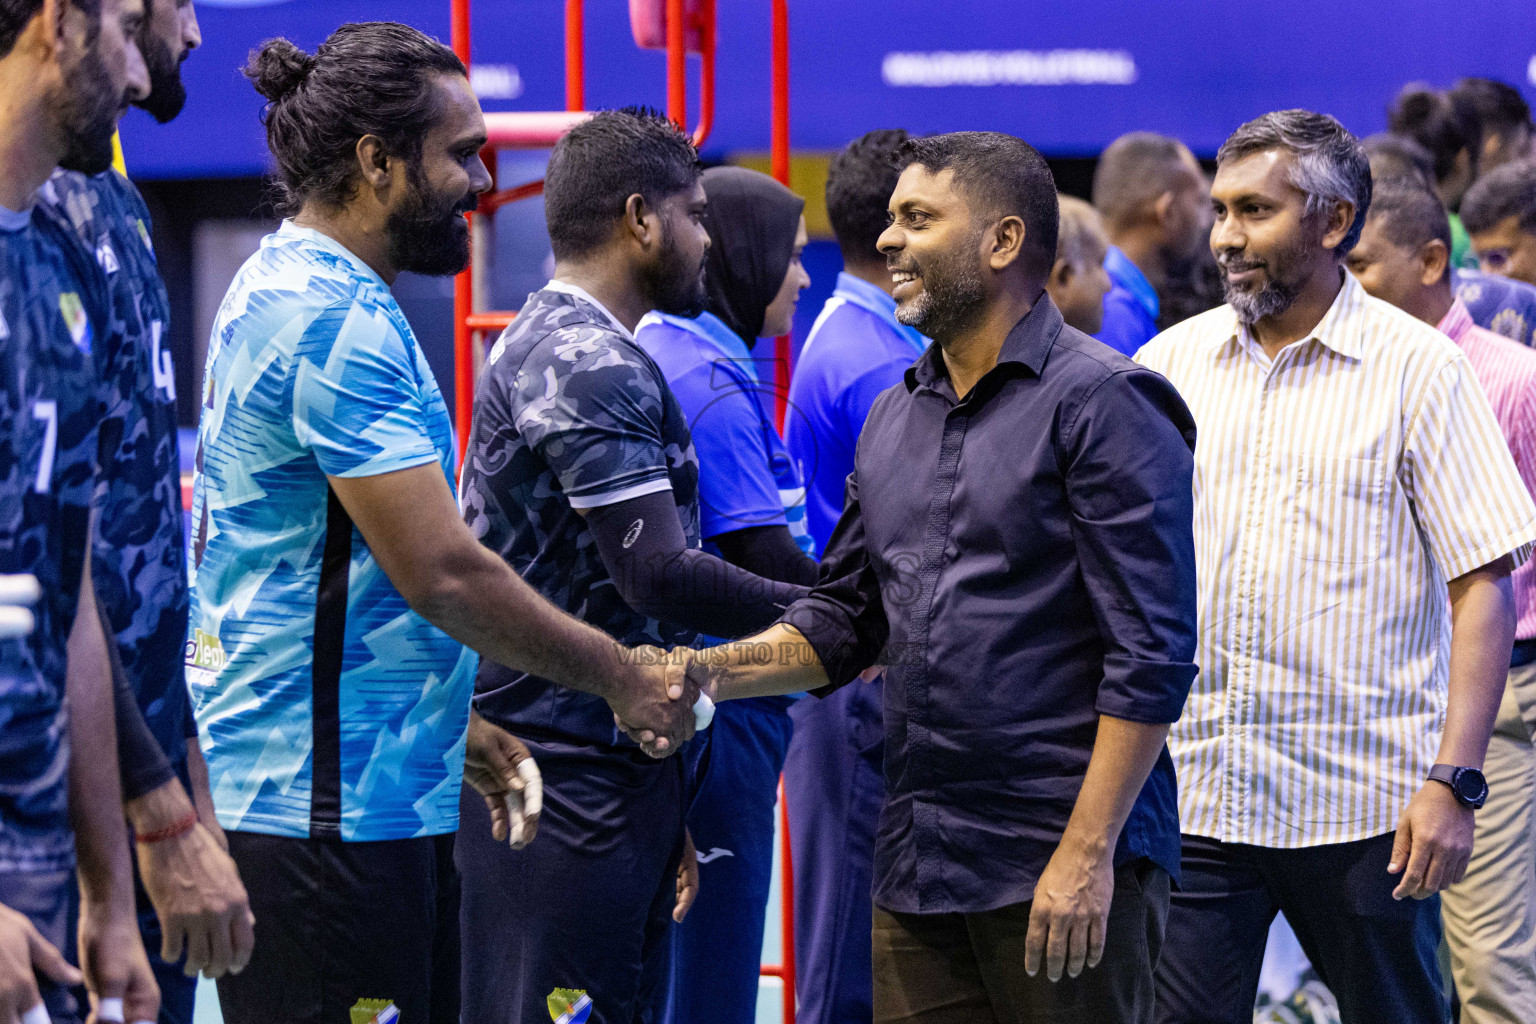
(1017, 541)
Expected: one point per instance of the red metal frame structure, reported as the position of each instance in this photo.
(541, 130)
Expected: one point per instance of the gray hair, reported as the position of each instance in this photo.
(1330, 167)
(1080, 240)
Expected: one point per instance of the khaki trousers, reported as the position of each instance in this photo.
(1490, 915)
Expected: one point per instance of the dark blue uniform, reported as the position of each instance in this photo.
(53, 309)
(138, 558)
(572, 414)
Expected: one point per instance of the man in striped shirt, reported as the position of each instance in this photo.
(1357, 517)
(1490, 915)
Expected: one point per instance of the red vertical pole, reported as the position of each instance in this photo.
(787, 911)
(575, 56)
(463, 287)
(779, 158)
(677, 64)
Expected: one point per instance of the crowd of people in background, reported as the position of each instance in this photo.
(1129, 569)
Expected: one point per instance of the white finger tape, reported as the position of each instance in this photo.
(533, 791)
(110, 1011)
(37, 1015)
(703, 712)
(19, 589)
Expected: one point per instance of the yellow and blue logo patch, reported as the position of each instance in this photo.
(374, 1011)
(569, 1006)
(73, 311)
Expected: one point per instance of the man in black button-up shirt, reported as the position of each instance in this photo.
(1017, 547)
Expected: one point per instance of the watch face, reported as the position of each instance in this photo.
(1471, 784)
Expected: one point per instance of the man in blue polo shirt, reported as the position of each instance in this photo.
(832, 776)
(1151, 192)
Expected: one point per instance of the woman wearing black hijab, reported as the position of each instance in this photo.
(752, 511)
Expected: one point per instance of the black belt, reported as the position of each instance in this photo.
(1523, 653)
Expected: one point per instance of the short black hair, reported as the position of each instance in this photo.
(1135, 169)
(860, 180)
(603, 161)
(1330, 164)
(1443, 123)
(1397, 156)
(16, 14)
(367, 78)
(1499, 105)
(1002, 176)
(1409, 213)
(1506, 191)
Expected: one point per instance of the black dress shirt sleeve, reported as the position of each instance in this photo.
(843, 619)
(1129, 474)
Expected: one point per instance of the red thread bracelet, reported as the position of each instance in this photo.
(178, 828)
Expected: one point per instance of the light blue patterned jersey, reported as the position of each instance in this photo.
(325, 706)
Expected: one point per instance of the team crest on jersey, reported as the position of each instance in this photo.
(106, 257)
(73, 311)
(569, 1006)
(375, 1011)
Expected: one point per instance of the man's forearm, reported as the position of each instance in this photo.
(95, 796)
(1123, 755)
(1482, 633)
(777, 661)
(482, 596)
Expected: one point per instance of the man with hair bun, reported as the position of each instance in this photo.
(1357, 517)
(338, 599)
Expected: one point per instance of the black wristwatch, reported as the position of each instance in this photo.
(1468, 784)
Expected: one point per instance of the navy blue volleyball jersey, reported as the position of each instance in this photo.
(138, 559)
(53, 309)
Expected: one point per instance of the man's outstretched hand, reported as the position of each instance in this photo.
(502, 770)
(654, 705)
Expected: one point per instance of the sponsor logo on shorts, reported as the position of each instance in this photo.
(204, 651)
(569, 1006)
(375, 1011)
(715, 853)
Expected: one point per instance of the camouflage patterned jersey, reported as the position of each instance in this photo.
(138, 560)
(570, 414)
(53, 307)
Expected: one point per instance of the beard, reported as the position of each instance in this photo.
(428, 233)
(1282, 284)
(952, 295)
(88, 116)
(673, 284)
(167, 93)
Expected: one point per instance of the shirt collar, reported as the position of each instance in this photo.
(1342, 328)
(1027, 345)
(872, 299)
(566, 288)
(290, 230)
(712, 330)
(14, 220)
(1456, 322)
(1129, 276)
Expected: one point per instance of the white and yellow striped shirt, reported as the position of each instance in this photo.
(1338, 488)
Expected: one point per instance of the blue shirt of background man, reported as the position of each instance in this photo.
(1499, 304)
(746, 477)
(139, 555)
(1130, 307)
(313, 371)
(54, 308)
(856, 349)
(1023, 559)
